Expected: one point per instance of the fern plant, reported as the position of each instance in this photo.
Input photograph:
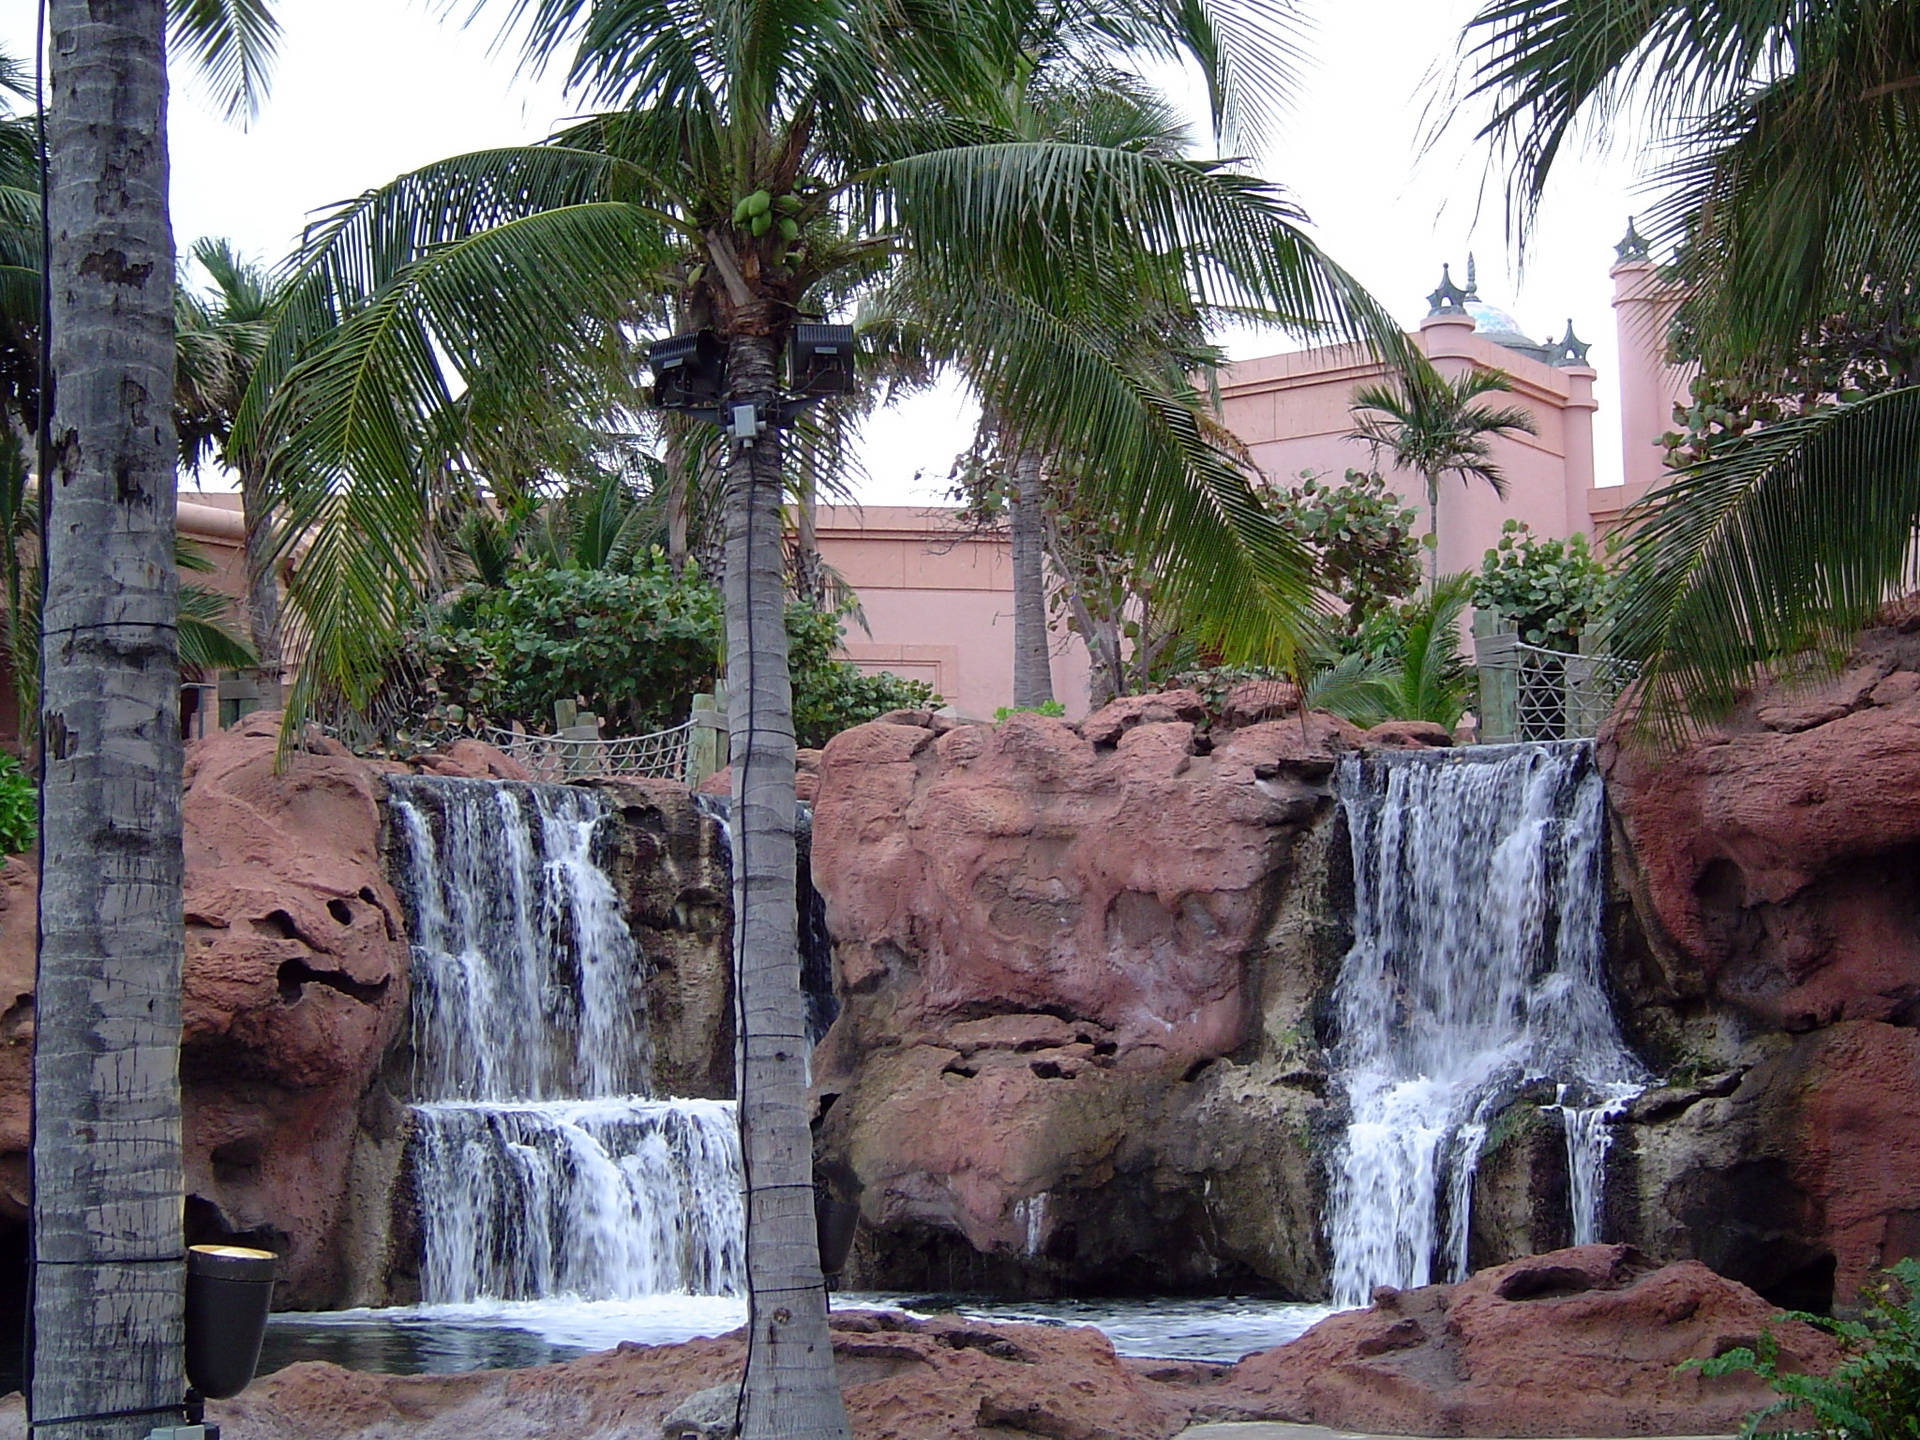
(1874, 1394)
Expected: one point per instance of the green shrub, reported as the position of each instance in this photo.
(634, 646)
(1551, 591)
(19, 807)
(1875, 1392)
(1053, 709)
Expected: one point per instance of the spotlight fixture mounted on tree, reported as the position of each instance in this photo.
(690, 375)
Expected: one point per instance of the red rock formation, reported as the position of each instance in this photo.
(1579, 1342)
(1772, 866)
(1045, 938)
(1775, 855)
(1408, 735)
(1576, 1342)
(294, 986)
(903, 1380)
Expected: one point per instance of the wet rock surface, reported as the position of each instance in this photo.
(1576, 1342)
(1079, 969)
(1579, 1342)
(1769, 961)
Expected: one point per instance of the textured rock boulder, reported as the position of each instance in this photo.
(295, 984)
(671, 868)
(902, 1379)
(1576, 1342)
(1079, 969)
(1776, 955)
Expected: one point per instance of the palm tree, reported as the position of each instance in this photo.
(768, 153)
(218, 340)
(1791, 196)
(1431, 426)
(106, 1266)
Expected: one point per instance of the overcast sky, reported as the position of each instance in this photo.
(366, 89)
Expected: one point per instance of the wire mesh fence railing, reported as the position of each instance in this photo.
(1528, 692)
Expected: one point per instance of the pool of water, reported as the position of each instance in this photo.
(444, 1339)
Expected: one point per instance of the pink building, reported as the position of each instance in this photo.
(937, 597)
(939, 601)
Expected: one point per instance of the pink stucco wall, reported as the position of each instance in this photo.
(1295, 414)
(938, 601)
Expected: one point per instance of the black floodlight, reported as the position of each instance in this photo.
(820, 360)
(229, 1289)
(689, 371)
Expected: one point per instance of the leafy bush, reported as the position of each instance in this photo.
(832, 695)
(19, 807)
(1365, 541)
(1051, 708)
(634, 646)
(1875, 1392)
(1551, 591)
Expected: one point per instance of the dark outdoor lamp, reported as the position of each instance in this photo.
(689, 371)
(820, 360)
(228, 1290)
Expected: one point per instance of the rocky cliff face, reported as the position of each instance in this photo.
(1771, 966)
(1079, 971)
(295, 985)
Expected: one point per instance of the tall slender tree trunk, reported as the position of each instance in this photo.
(806, 550)
(1032, 670)
(263, 590)
(791, 1390)
(107, 1280)
(679, 463)
(1433, 533)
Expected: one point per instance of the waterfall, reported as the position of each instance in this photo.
(816, 946)
(1475, 970)
(542, 1165)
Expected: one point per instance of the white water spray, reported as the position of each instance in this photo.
(542, 1166)
(1475, 970)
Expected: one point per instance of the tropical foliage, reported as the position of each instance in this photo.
(1790, 200)
(632, 644)
(19, 807)
(1364, 542)
(1552, 592)
(1874, 1394)
(1433, 426)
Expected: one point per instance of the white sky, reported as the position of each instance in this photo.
(366, 89)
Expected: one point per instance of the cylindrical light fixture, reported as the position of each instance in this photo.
(229, 1289)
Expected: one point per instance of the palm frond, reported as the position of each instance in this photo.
(207, 640)
(1772, 554)
(231, 43)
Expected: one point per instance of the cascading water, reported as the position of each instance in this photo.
(541, 1164)
(816, 946)
(1475, 970)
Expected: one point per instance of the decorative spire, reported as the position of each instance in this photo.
(1449, 298)
(1569, 350)
(1473, 282)
(1632, 246)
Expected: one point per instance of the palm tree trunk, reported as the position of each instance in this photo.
(1433, 533)
(790, 1385)
(107, 1279)
(807, 584)
(679, 456)
(1032, 671)
(263, 591)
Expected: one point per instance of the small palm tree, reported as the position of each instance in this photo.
(1431, 426)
